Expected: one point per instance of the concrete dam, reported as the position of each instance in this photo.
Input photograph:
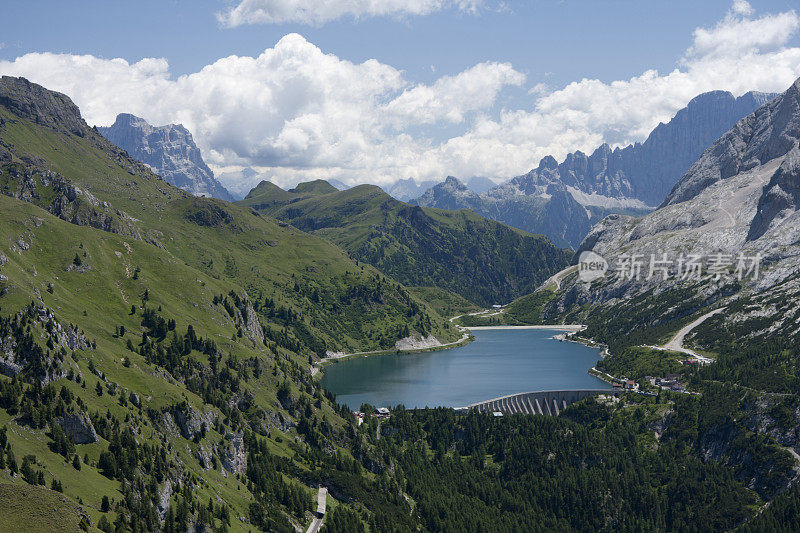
(550, 402)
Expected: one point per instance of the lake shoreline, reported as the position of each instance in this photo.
(573, 328)
(530, 378)
(317, 368)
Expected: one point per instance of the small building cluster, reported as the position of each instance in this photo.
(381, 413)
(671, 382)
(628, 385)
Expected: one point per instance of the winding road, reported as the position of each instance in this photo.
(675, 344)
(557, 277)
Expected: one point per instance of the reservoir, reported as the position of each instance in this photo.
(498, 362)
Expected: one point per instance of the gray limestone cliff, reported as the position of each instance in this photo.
(169, 151)
(563, 200)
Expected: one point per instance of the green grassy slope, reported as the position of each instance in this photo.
(344, 305)
(445, 303)
(27, 508)
(196, 321)
(105, 290)
(459, 251)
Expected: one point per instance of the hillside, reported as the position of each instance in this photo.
(155, 347)
(84, 179)
(154, 371)
(483, 261)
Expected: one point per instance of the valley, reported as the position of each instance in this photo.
(330, 355)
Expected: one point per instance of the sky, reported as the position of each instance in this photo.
(372, 91)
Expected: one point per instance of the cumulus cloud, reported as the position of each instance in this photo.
(296, 113)
(737, 33)
(320, 11)
(293, 108)
(451, 97)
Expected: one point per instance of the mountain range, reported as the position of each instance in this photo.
(169, 151)
(158, 349)
(737, 211)
(178, 331)
(563, 200)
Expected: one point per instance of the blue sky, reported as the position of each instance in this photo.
(552, 41)
(518, 58)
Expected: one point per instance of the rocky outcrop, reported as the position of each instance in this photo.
(562, 201)
(69, 202)
(189, 421)
(78, 427)
(20, 352)
(245, 316)
(164, 496)
(41, 106)
(169, 151)
(234, 456)
(417, 343)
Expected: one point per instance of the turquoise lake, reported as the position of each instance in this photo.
(496, 363)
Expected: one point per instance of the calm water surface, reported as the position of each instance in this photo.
(498, 362)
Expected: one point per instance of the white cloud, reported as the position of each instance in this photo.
(321, 11)
(742, 7)
(296, 113)
(451, 97)
(737, 33)
(293, 109)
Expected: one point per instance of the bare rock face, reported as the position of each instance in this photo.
(251, 324)
(78, 427)
(164, 495)
(563, 200)
(41, 106)
(770, 132)
(781, 198)
(741, 199)
(190, 422)
(234, 457)
(169, 150)
(244, 316)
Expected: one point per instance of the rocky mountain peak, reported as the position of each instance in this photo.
(450, 194)
(169, 150)
(41, 106)
(452, 181)
(768, 133)
(548, 162)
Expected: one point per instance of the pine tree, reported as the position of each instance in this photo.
(12, 461)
